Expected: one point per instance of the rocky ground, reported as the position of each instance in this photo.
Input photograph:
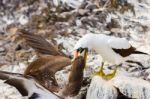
(63, 22)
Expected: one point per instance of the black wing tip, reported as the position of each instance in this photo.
(34, 96)
(125, 52)
(140, 52)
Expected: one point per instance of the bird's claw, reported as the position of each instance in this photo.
(106, 76)
(110, 76)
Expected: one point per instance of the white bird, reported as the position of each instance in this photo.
(27, 86)
(112, 49)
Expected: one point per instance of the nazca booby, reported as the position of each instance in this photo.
(114, 50)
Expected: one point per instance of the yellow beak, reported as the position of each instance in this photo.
(85, 56)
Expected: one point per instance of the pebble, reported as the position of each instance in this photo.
(2, 49)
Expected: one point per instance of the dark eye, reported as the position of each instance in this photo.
(80, 49)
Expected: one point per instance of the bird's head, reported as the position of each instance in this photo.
(83, 45)
(81, 52)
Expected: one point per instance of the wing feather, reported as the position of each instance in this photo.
(119, 43)
(121, 46)
(39, 43)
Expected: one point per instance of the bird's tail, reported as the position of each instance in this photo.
(139, 52)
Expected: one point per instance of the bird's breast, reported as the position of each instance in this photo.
(109, 55)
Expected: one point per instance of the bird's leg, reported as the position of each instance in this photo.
(111, 75)
(100, 72)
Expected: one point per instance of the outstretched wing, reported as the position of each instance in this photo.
(38, 43)
(15, 80)
(121, 46)
(26, 85)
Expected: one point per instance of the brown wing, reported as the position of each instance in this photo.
(22, 83)
(18, 84)
(49, 62)
(13, 80)
(44, 69)
(38, 43)
(125, 52)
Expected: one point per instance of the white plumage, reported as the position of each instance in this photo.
(104, 46)
(118, 43)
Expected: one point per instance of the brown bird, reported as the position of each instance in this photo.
(75, 78)
(50, 61)
(44, 68)
(30, 87)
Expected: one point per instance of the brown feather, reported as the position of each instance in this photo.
(129, 51)
(18, 84)
(44, 69)
(11, 79)
(21, 82)
(75, 78)
(124, 52)
(39, 43)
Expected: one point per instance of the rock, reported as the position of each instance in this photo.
(132, 87)
(91, 6)
(148, 77)
(148, 71)
(101, 89)
(71, 3)
(82, 11)
(2, 50)
(119, 86)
